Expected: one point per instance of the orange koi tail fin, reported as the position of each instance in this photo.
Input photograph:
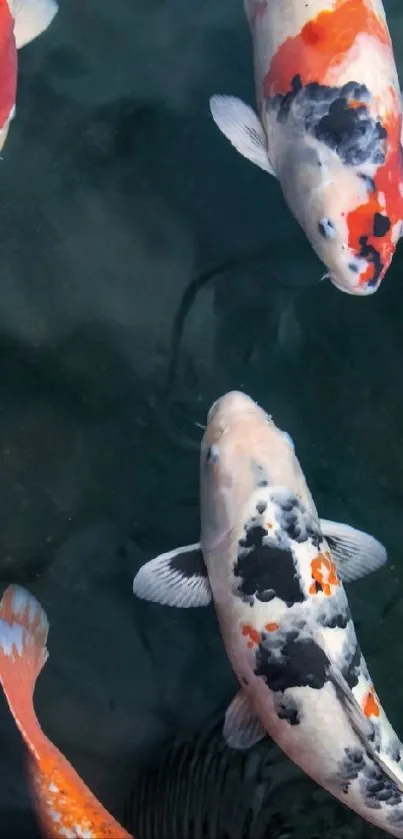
(23, 635)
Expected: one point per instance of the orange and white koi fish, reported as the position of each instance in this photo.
(330, 128)
(20, 22)
(275, 573)
(66, 808)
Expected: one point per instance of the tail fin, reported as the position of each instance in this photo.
(23, 634)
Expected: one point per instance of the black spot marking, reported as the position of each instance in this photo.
(326, 229)
(395, 818)
(394, 752)
(265, 570)
(351, 766)
(289, 713)
(338, 620)
(377, 787)
(351, 669)
(261, 507)
(259, 474)
(266, 596)
(371, 254)
(369, 182)
(332, 115)
(190, 564)
(295, 521)
(353, 267)
(381, 225)
(300, 662)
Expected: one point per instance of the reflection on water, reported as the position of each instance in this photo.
(145, 270)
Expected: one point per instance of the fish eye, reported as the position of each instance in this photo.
(326, 228)
(288, 438)
(212, 454)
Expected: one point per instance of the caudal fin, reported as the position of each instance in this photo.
(65, 805)
(23, 634)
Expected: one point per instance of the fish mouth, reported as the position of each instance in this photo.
(354, 290)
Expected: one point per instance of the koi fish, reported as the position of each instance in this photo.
(21, 21)
(65, 806)
(330, 128)
(275, 572)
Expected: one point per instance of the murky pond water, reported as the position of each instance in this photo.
(146, 268)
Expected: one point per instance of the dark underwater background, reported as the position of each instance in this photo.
(146, 268)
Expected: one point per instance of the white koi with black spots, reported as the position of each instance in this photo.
(275, 573)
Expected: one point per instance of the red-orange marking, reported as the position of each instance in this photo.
(324, 574)
(272, 627)
(371, 706)
(252, 634)
(8, 63)
(317, 49)
(322, 44)
(388, 181)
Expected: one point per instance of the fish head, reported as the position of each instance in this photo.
(242, 449)
(354, 235)
(343, 216)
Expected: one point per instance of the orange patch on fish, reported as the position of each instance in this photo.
(322, 44)
(388, 182)
(324, 575)
(371, 706)
(272, 627)
(64, 804)
(8, 63)
(252, 634)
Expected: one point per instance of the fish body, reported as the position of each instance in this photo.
(274, 571)
(66, 808)
(20, 22)
(329, 128)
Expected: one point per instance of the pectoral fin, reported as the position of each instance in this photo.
(32, 17)
(355, 553)
(361, 725)
(241, 126)
(242, 728)
(177, 578)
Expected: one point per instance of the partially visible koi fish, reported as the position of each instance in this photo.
(66, 808)
(329, 128)
(275, 572)
(21, 21)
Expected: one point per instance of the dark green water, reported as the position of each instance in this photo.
(146, 268)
